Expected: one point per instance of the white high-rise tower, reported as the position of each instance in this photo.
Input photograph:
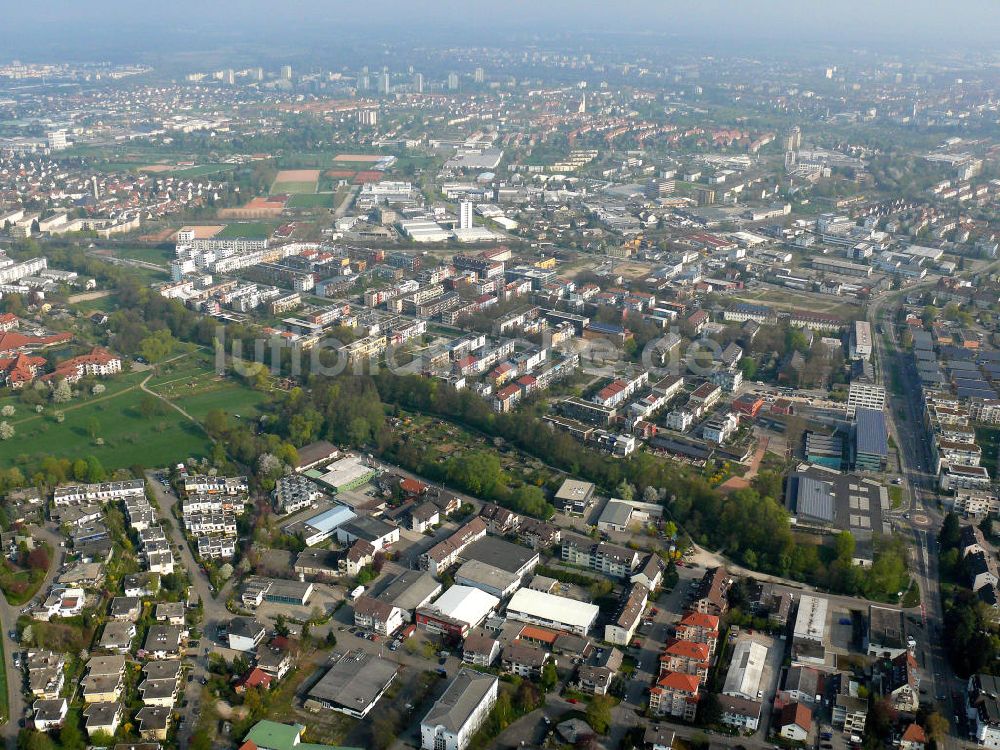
(465, 215)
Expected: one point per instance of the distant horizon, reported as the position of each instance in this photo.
(116, 30)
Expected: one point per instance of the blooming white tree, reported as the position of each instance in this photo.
(62, 392)
(6, 431)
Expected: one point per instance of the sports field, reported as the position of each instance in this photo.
(249, 229)
(358, 158)
(294, 181)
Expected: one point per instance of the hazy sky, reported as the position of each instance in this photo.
(108, 24)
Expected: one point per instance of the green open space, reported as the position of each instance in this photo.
(193, 385)
(148, 254)
(988, 439)
(292, 187)
(104, 304)
(312, 200)
(128, 436)
(200, 170)
(250, 229)
(117, 426)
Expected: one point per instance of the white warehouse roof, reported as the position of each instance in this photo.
(465, 604)
(554, 608)
(746, 670)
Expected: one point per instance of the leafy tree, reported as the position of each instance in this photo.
(599, 713)
(38, 558)
(216, 423)
(157, 347)
(62, 392)
(749, 367)
(478, 473)
(709, 710)
(549, 678)
(625, 491)
(936, 727)
(385, 728)
(201, 740)
(29, 739)
(70, 736)
(951, 532)
(150, 406)
(530, 500)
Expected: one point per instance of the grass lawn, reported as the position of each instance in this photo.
(988, 439)
(159, 255)
(19, 585)
(896, 496)
(299, 186)
(192, 384)
(104, 304)
(248, 229)
(129, 437)
(312, 200)
(201, 169)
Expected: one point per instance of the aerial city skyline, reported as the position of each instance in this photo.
(470, 375)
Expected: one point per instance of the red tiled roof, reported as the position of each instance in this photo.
(796, 713)
(915, 733)
(679, 681)
(688, 649)
(700, 620)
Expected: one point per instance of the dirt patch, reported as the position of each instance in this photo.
(162, 236)
(358, 157)
(297, 175)
(205, 231)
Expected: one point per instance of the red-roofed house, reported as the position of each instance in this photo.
(913, 738)
(8, 322)
(527, 383)
(412, 486)
(687, 657)
(795, 722)
(699, 628)
(12, 342)
(506, 398)
(20, 370)
(98, 362)
(255, 678)
(675, 694)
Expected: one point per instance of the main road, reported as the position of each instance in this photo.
(8, 622)
(921, 518)
(213, 605)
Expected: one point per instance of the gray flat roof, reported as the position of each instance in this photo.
(355, 681)
(814, 498)
(411, 589)
(872, 436)
(462, 697)
(616, 513)
(500, 554)
(574, 489)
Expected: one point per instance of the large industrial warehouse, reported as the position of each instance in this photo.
(549, 610)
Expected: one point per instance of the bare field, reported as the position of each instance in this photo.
(365, 158)
(297, 175)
